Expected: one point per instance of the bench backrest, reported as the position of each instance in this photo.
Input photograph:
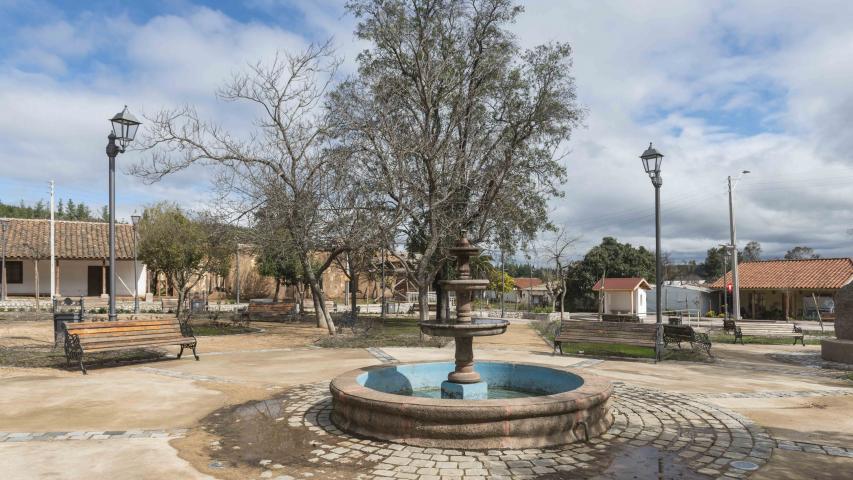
(767, 327)
(93, 332)
(681, 331)
(281, 307)
(625, 333)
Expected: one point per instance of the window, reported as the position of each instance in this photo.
(14, 272)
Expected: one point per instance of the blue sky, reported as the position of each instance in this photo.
(718, 86)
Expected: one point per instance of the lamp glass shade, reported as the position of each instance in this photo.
(652, 160)
(135, 219)
(125, 125)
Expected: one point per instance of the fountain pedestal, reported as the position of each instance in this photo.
(464, 382)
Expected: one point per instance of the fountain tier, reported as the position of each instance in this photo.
(551, 406)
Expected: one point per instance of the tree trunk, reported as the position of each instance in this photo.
(353, 287)
(318, 311)
(439, 303)
(300, 296)
(562, 302)
(277, 288)
(181, 296)
(323, 316)
(423, 301)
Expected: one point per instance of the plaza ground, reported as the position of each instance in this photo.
(773, 405)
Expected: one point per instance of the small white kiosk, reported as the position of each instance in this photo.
(623, 296)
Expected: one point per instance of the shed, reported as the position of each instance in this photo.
(626, 296)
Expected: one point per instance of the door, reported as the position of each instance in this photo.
(95, 280)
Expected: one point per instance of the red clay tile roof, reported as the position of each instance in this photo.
(622, 284)
(828, 273)
(523, 283)
(74, 240)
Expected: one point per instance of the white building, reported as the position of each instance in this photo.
(82, 259)
(625, 296)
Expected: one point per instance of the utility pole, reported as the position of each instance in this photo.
(52, 246)
(382, 305)
(735, 283)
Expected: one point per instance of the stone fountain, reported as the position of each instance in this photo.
(501, 404)
(464, 382)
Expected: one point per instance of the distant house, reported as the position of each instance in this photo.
(780, 289)
(530, 291)
(82, 257)
(623, 295)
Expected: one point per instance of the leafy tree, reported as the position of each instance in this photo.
(752, 252)
(612, 259)
(455, 124)
(800, 253)
(179, 247)
(500, 283)
(281, 263)
(715, 263)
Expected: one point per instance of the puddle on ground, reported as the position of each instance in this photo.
(624, 462)
(257, 431)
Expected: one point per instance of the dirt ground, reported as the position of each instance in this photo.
(236, 369)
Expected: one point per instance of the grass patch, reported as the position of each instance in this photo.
(393, 332)
(748, 339)
(220, 328)
(45, 356)
(546, 328)
(609, 350)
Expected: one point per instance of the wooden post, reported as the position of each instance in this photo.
(785, 301)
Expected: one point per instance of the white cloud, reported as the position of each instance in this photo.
(718, 86)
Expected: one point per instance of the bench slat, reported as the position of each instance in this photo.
(122, 338)
(129, 323)
(140, 344)
(106, 331)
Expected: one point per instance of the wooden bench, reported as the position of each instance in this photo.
(256, 311)
(769, 330)
(685, 333)
(728, 326)
(90, 337)
(621, 333)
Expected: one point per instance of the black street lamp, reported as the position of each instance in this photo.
(135, 220)
(124, 130)
(4, 226)
(651, 163)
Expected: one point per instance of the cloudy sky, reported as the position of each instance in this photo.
(719, 87)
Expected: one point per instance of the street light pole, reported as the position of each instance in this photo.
(735, 279)
(652, 160)
(4, 226)
(237, 273)
(124, 130)
(135, 220)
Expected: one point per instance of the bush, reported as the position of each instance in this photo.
(711, 314)
(543, 309)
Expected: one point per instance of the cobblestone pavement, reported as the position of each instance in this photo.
(381, 355)
(702, 437)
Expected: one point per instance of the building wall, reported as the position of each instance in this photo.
(73, 278)
(617, 302)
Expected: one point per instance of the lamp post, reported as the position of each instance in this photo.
(652, 160)
(4, 226)
(124, 130)
(735, 279)
(135, 220)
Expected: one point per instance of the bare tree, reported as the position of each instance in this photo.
(557, 253)
(282, 169)
(455, 124)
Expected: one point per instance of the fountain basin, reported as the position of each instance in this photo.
(479, 327)
(551, 406)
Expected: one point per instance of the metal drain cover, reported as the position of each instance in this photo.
(742, 465)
